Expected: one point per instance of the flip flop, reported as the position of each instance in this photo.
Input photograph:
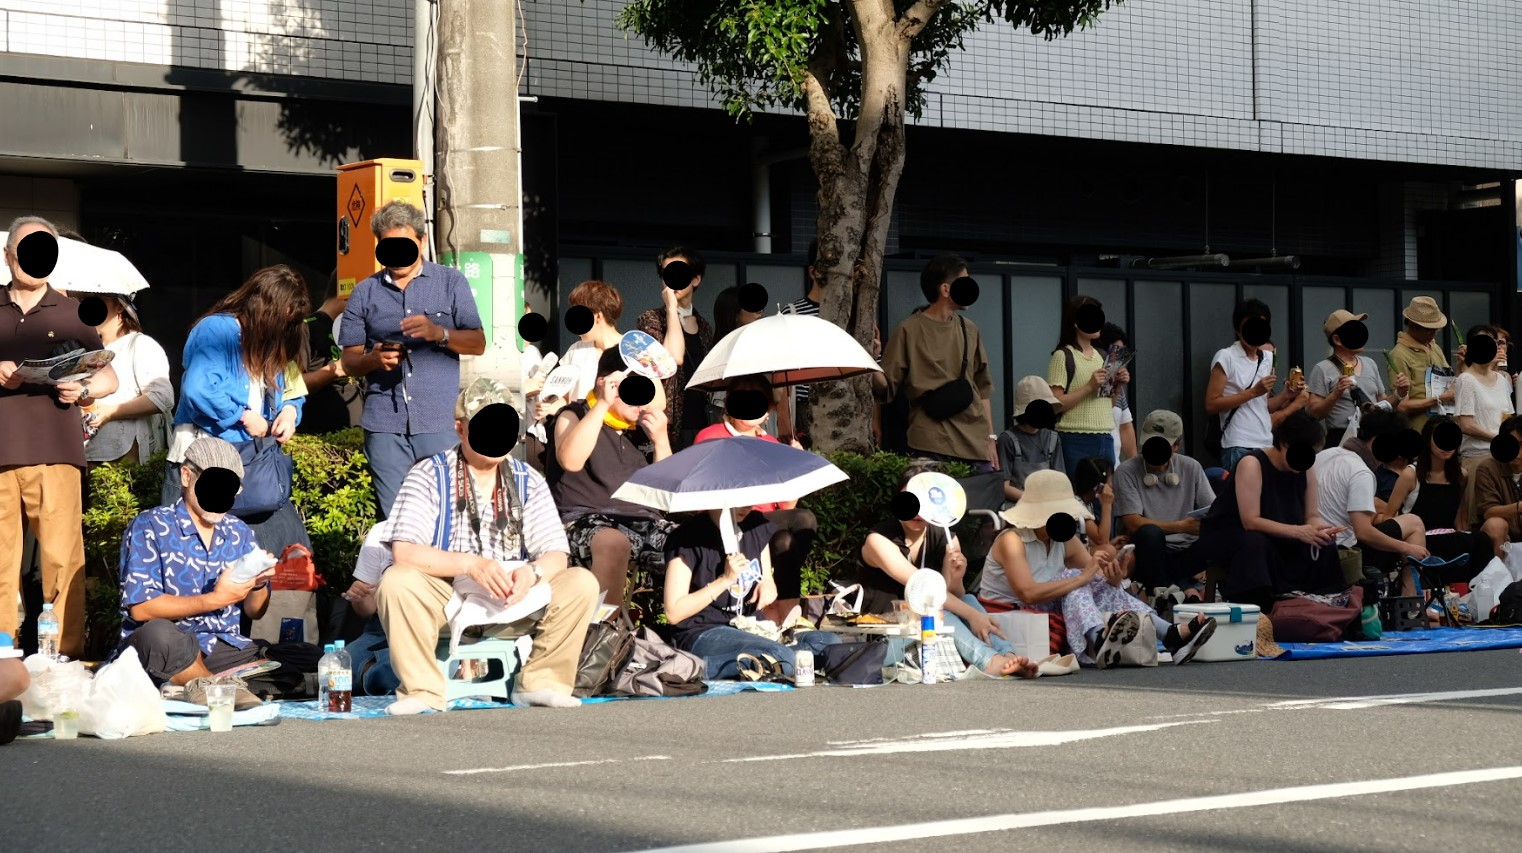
(1121, 629)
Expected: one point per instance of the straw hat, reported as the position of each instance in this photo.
(1423, 311)
(1046, 493)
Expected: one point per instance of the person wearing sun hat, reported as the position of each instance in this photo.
(1415, 355)
(1335, 397)
(1031, 443)
(1040, 564)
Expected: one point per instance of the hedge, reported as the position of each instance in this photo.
(332, 489)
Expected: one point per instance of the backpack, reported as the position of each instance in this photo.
(656, 669)
(1508, 609)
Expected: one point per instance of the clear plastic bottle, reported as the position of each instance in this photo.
(47, 633)
(324, 675)
(341, 687)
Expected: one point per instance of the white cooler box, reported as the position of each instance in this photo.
(1236, 630)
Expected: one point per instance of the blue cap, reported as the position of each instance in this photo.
(6, 641)
(328, 649)
(338, 645)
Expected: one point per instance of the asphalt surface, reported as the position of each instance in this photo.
(649, 774)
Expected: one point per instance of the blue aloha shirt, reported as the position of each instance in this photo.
(162, 554)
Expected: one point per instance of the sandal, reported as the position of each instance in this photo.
(1120, 630)
(1201, 627)
(750, 667)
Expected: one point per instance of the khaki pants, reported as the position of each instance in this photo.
(411, 604)
(48, 497)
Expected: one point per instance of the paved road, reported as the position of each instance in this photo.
(1015, 762)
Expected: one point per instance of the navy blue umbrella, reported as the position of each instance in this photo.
(727, 473)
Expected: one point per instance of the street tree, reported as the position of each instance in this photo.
(855, 69)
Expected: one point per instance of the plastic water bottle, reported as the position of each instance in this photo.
(340, 681)
(47, 633)
(324, 676)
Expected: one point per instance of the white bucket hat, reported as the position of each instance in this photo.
(1046, 494)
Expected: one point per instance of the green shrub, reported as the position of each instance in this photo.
(847, 510)
(333, 490)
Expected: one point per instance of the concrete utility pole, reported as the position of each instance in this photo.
(478, 198)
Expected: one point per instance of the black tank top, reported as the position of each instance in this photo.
(1437, 505)
(590, 490)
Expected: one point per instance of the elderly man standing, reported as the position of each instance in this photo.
(470, 513)
(404, 330)
(43, 451)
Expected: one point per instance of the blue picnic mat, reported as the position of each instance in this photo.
(1410, 643)
(370, 707)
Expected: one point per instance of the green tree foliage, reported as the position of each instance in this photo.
(865, 61)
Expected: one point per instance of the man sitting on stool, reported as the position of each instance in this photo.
(465, 513)
(1154, 494)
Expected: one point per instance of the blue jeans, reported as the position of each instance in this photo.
(1230, 456)
(381, 680)
(1078, 446)
(719, 647)
(392, 455)
(973, 650)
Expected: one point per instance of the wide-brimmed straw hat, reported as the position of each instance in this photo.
(1046, 494)
(1423, 311)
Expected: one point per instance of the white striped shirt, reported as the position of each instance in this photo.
(808, 308)
(415, 515)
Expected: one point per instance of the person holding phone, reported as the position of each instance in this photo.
(404, 330)
(1267, 528)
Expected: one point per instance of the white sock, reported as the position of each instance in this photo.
(545, 699)
(408, 706)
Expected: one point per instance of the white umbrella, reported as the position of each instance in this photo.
(790, 349)
(83, 268)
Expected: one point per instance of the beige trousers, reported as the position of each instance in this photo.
(411, 604)
(48, 496)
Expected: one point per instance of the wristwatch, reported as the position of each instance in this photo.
(444, 341)
(84, 389)
(538, 572)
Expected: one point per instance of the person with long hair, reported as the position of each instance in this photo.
(242, 365)
(129, 424)
(1432, 488)
(1077, 376)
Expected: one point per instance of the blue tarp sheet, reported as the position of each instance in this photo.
(1410, 643)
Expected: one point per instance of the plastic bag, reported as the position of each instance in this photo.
(122, 702)
(37, 701)
(1486, 588)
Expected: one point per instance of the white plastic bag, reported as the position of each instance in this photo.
(1514, 562)
(122, 702)
(37, 701)
(1487, 585)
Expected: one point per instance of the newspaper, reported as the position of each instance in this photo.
(1439, 380)
(69, 367)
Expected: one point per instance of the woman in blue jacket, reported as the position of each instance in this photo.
(235, 386)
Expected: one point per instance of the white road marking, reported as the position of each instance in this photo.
(1353, 703)
(953, 741)
(1358, 703)
(521, 767)
(1007, 822)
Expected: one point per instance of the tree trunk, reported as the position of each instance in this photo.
(856, 192)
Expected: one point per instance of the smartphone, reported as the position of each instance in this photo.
(395, 346)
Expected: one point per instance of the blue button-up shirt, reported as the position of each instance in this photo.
(162, 554)
(419, 396)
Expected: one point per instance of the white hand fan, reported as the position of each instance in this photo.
(559, 383)
(925, 592)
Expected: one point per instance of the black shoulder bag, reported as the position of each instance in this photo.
(1215, 428)
(952, 398)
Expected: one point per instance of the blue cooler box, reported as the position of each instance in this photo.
(1236, 630)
